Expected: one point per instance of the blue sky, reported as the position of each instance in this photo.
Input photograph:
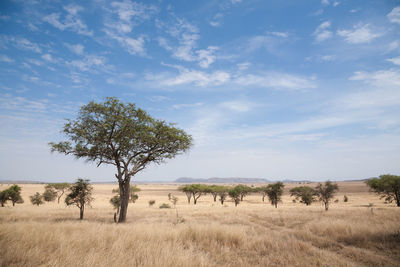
(270, 89)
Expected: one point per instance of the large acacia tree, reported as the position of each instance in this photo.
(122, 135)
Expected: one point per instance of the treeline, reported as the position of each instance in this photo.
(305, 194)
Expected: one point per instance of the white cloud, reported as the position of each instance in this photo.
(243, 66)
(237, 106)
(276, 80)
(392, 46)
(336, 3)
(180, 106)
(47, 57)
(280, 34)
(359, 34)
(394, 15)
(77, 49)
(381, 78)
(71, 20)
(395, 60)
(22, 43)
(206, 56)
(198, 78)
(322, 33)
(133, 46)
(89, 63)
(4, 58)
(325, 2)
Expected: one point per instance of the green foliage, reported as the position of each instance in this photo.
(49, 194)
(235, 194)
(243, 190)
(122, 135)
(263, 190)
(3, 197)
(326, 192)
(115, 201)
(275, 192)
(80, 195)
(59, 188)
(195, 190)
(132, 190)
(36, 199)
(165, 206)
(13, 194)
(306, 194)
(152, 202)
(387, 186)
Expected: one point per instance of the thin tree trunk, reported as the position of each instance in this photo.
(326, 206)
(81, 209)
(189, 196)
(215, 197)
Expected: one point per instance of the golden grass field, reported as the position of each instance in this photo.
(208, 234)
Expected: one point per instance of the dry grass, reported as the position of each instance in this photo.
(208, 234)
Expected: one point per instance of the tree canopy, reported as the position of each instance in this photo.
(122, 135)
(80, 195)
(387, 186)
(306, 194)
(326, 192)
(275, 192)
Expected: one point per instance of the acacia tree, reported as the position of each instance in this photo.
(275, 192)
(122, 135)
(235, 194)
(80, 195)
(58, 188)
(49, 194)
(187, 191)
(387, 186)
(263, 190)
(14, 194)
(243, 190)
(326, 192)
(306, 194)
(36, 199)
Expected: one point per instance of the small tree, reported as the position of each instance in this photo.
(195, 190)
(37, 199)
(116, 203)
(387, 186)
(122, 135)
(151, 202)
(275, 192)
(49, 194)
(3, 197)
(80, 195)
(14, 194)
(263, 190)
(306, 194)
(222, 192)
(326, 192)
(213, 190)
(59, 188)
(187, 191)
(243, 190)
(235, 194)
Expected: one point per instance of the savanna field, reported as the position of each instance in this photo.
(361, 232)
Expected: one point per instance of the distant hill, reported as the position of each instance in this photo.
(215, 180)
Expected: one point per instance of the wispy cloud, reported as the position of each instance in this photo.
(22, 43)
(76, 49)
(238, 105)
(322, 32)
(4, 58)
(394, 15)
(90, 63)
(381, 78)
(359, 34)
(71, 20)
(395, 60)
(193, 105)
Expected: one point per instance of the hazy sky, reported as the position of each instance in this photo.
(274, 89)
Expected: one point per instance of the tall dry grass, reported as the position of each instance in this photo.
(208, 234)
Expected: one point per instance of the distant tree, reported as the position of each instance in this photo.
(263, 190)
(387, 186)
(235, 194)
(49, 194)
(37, 199)
(213, 190)
(186, 189)
(80, 195)
(306, 194)
(116, 203)
(275, 192)
(326, 192)
(152, 202)
(59, 188)
(14, 194)
(222, 192)
(3, 197)
(122, 135)
(196, 191)
(243, 190)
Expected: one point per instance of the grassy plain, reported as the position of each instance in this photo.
(208, 234)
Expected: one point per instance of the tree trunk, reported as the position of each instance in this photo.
(215, 197)
(398, 199)
(13, 203)
(189, 196)
(241, 198)
(222, 201)
(263, 198)
(81, 209)
(58, 199)
(124, 194)
(326, 206)
(195, 201)
(276, 205)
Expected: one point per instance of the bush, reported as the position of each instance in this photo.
(345, 198)
(152, 202)
(165, 206)
(37, 199)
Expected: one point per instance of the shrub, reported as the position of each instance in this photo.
(165, 206)
(151, 202)
(37, 199)
(345, 198)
